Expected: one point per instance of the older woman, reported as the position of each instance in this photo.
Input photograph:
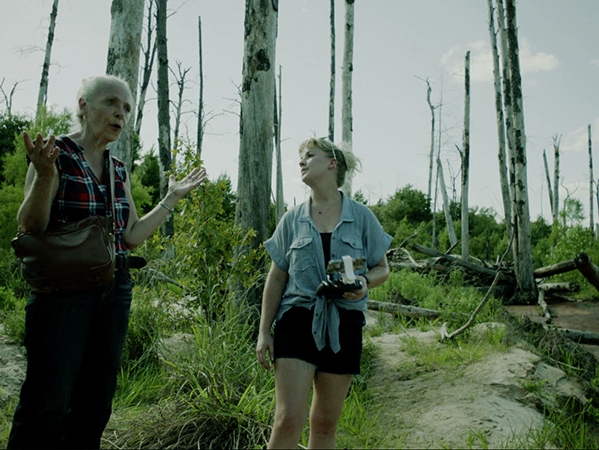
(74, 340)
(317, 341)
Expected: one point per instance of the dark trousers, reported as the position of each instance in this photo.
(74, 343)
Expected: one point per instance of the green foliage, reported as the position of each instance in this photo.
(12, 197)
(11, 127)
(142, 195)
(148, 173)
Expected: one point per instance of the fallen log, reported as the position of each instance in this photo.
(541, 300)
(402, 310)
(459, 261)
(582, 337)
(555, 269)
(586, 267)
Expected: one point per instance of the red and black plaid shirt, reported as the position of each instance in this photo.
(81, 194)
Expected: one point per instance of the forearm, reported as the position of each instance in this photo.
(271, 297)
(143, 228)
(378, 274)
(34, 213)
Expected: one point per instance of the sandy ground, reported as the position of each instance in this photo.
(483, 404)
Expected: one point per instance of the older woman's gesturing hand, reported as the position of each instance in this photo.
(184, 186)
(42, 155)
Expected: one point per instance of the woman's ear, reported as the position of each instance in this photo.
(82, 106)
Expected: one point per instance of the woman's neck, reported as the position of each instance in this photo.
(89, 144)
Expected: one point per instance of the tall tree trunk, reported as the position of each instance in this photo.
(501, 154)
(164, 121)
(123, 60)
(431, 158)
(523, 264)
(180, 80)
(556, 141)
(200, 132)
(332, 80)
(280, 199)
(149, 52)
(466, 160)
(446, 210)
(591, 181)
(348, 68)
(42, 95)
(549, 189)
(509, 120)
(256, 124)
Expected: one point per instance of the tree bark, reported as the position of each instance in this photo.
(549, 188)
(591, 182)
(586, 267)
(556, 141)
(280, 199)
(555, 269)
(348, 68)
(446, 210)
(180, 80)
(332, 79)
(466, 160)
(164, 126)
(200, 128)
(501, 154)
(123, 60)
(149, 53)
(42, 95)
(402, 310)
(523, 263)
(256, 125)
(431, 158)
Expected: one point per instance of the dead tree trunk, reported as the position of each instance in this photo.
(123, 60)
(42, 95)
(556, 141)
(446, 210)
(348, 68)
(164, 127)
(200, 128)
(332, 80)
(466, 160)
(523, 262)
(431, 159)
(149, 52)
(280, 200)
(180, 80)
(256, 125)
(503, 173)
(591, 181)
(549, 189)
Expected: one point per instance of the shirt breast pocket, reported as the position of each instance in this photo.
(352, 246)
(301, 254)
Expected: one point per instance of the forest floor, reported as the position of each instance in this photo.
(481, 404)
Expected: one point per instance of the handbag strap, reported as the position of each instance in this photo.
(112, 188)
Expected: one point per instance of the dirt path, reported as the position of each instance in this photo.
(483, 404)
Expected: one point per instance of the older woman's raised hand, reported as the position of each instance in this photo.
(187, 184)
(42, 154)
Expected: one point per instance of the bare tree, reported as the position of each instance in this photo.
(123, 60)
(556, 142)
(42, 95)
(348, 68)
(523, 259)
(503, 173)
(200, 128)
(149, 52)
(332, 80)
(180, 80)
(8, 97)
(256, 124)
(432, 152)
(549, 188)
(164, 127)
(446, 210)
(591, 181)
(279, 200)
(466, 159)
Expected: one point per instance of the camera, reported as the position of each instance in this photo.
(340, 277)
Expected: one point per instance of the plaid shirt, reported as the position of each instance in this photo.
(81, 194)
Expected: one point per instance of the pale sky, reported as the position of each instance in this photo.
(397, 44)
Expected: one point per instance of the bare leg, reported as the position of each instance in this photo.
(330, 391)
(293, 381)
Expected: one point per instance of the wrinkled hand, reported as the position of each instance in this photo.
(42, 155)
(184, 186)
(358, 294)
(264, 349)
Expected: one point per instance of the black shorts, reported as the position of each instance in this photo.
(293, 339)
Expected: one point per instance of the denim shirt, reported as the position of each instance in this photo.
(296, 248)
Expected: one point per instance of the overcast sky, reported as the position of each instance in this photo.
(397, 44)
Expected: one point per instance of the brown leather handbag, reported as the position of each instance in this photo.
(71, 257)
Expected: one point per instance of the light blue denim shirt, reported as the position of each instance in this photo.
(296, 248)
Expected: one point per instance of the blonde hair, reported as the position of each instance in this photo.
(347, 163)
(92, 86)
